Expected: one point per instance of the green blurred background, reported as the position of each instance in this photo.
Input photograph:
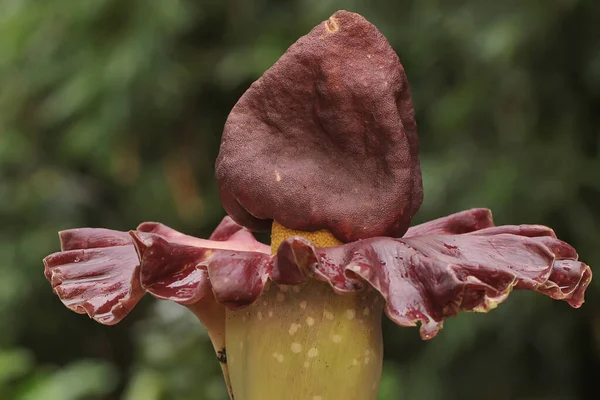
(111, 113)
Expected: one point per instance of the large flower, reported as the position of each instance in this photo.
(324, 148)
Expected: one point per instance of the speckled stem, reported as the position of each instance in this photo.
(306, 343)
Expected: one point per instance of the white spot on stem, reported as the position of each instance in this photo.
(296, 347)
(350, 313)
(294, 328)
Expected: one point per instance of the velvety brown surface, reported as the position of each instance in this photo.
(326, 138)
(423, 278)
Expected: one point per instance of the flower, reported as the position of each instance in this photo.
(323, 148)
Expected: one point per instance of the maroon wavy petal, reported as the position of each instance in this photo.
(169, 270)
(177, 267)
(424, 279)
(238, 278)
(428, 278)
(294, 262)
(454, 224)
(329, 128)
(104, 273)
(228, 235)
(96, 273)
(177, 271)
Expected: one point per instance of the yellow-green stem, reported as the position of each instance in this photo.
(306, 343)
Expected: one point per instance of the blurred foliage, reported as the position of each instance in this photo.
(111, 113)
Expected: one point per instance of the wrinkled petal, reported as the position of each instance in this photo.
(428, 278)
(228, 235)
(183, 273)
(294, 257)
(454, 224)
(96, 273)
(569, 280)
(233, 264)
(104, 273)
(169, 270)
(92, 238)
(227, 228)
(238, 278)
(521, 230)
(423, 279)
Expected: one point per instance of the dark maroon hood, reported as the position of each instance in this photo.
(325, 139)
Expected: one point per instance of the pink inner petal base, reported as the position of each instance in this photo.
(461, 262)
